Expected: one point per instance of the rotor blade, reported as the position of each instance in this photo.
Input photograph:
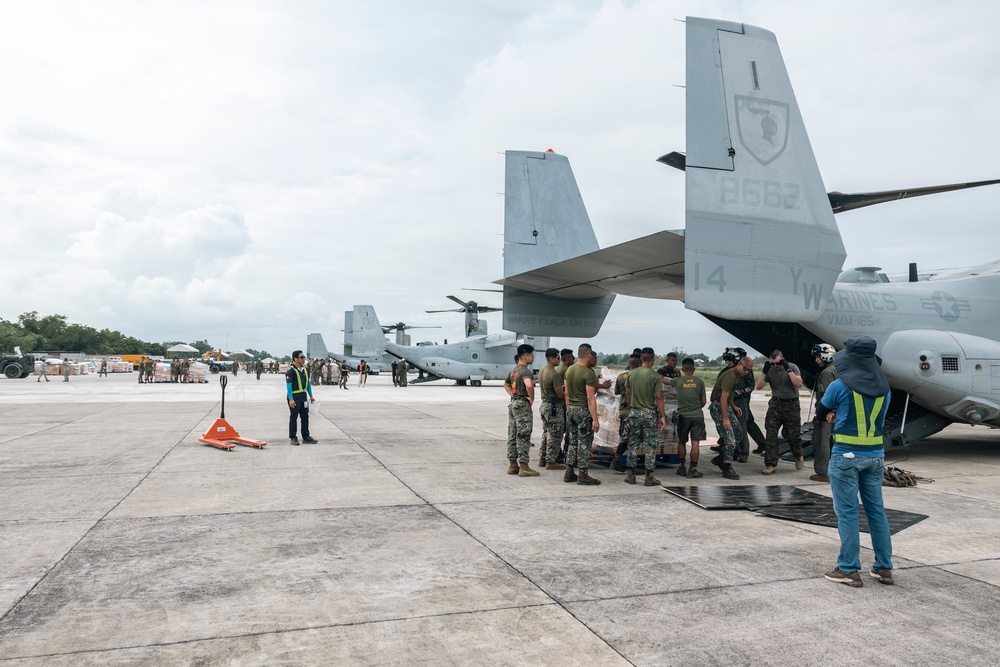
(489, 309)
(459, 302)
(841, 202)
(409, 327)
(449, 310)
(848, 202)
(476, 289)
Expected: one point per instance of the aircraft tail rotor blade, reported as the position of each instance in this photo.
(848, 202)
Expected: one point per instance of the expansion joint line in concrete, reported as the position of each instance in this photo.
(100, 520)
(70, 421)
(479, 541)
(282, 631)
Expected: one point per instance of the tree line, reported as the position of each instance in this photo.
(52, 333)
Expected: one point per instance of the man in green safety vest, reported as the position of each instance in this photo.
(856, 404)
(299, 396)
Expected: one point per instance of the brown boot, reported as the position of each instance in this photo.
(555, 466)
(569, 475)
(525, 471)
(513, 468)
(650, 480)
(630, 476)
(586, 480)
(541, 461)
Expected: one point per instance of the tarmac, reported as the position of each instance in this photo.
(399, 539)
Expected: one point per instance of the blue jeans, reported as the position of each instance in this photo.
(848, 478)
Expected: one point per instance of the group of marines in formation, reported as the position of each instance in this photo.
(568, 393)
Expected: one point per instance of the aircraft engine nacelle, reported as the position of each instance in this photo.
(953, 374)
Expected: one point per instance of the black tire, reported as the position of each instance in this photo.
(12, 371)
(477, 383)
(214, 369)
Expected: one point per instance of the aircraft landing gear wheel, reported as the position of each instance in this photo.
(12, 371)
(477, 383)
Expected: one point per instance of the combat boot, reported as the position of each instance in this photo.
(682, 469)
(569, 475)
(630, 476)
(541, 462)
(513, 468)
(586, 480)
(554, 466)
(729, 473)
(650, 480)
(693, 472)
(525, 471)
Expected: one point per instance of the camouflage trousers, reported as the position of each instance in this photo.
(519, 418)
(580, 427)
(643, 429)
(553, 422)
(729, 436)
(786, 415)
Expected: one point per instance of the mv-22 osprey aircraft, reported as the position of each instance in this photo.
(761, 255)
(480, 356)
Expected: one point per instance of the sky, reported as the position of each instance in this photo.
(244, 172)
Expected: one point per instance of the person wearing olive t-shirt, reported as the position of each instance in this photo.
(644, 389)
(520, 386)
(581, 415)
(553, 411)
(726, 415)
(690, 416)
(782, 410)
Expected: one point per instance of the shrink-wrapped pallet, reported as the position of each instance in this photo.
(606, 440)
(197, 372)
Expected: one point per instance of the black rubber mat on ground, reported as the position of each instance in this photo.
(819, 511)
(739, 497)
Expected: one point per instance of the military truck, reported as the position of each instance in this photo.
(16, 366)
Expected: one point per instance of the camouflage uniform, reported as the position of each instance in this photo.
(553, 419)
(581, 436)
(729, 436)
(519, 423)
(782, 412)
(643, 429)
(519, 416)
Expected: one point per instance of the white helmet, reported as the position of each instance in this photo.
(824, 351)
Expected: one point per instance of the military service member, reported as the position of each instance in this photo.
(822, 429)
(726, 415)
(669, 370)
(104, 367)
(520, 386)
(634, 361)
(782, 410)
(553, 411)
(690, 417)
(581, 415)
(345, 370)
(402, 368)
(258, 368)
(644, 391)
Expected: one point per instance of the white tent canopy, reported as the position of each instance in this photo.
(182, 347)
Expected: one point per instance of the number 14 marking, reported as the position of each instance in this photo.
(717, 278)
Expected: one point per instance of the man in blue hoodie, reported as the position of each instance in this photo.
(856, 404)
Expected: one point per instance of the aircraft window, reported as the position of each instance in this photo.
(475, 355)
(949, 364)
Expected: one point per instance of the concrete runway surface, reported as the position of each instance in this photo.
(400, 540)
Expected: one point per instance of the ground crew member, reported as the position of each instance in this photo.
(174, 370)
(236, 368)
(581, 415)
(567, 359)
(690, 416)
(185, 366)
(822, 429)
(669, 369)
(520, 386)
(258, 367)
(782, 410)
(644, 393)
(65, 366)
(42, 372)
(553, 411)
(726, 415)
(395, 374)
(344, 372)
(362, 373)
(403, 369)
(856, 403)
(634, 361)
(299, 392)
(104, 367)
